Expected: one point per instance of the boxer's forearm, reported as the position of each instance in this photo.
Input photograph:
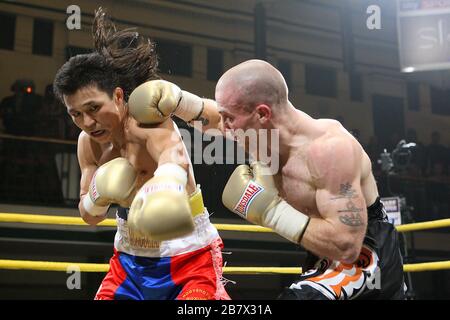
(323, 239)
(165, 145)
(209, 119)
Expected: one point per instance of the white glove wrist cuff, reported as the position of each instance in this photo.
(92, 208)
(174, 170)
(286, 221)
(190, 107)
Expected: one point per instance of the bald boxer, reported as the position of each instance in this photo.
(165, 246)
(323, 197)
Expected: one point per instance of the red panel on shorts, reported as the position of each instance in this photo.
(113, 279)
(199, 273)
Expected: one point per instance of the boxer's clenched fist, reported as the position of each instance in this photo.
(251, 193)
(154, 101)
(113, 182)
(161, 209)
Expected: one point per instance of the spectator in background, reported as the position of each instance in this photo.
(393, 141)
(21, 166)
(438, 192)
(418, 159)
(374, 149)
(52, 115)
(2, 126)
(19, 110)
(436, 156)
(447, 162)
(2, 130)
(438, 189)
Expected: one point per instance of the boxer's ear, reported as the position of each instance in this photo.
(264, 113)
(118, 96)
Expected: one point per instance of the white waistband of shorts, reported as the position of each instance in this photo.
(203, 234)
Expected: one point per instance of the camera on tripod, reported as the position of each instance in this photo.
(392, 164)
(399, 159)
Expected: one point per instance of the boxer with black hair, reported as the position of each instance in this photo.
(165, 246)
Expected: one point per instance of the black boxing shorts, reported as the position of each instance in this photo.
(376, 274)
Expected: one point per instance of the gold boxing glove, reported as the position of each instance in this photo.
(251, 193)
(113, 182)
(154, 101)
(161, 209)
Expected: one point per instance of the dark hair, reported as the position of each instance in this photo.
(122, 59)
(84, 70)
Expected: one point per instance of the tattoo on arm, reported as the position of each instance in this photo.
(203, 121)
(351, 213)
(352, 219)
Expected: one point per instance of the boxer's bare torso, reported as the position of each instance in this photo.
(108, 132)
(138, 144)
(323, 173)
(299, 176)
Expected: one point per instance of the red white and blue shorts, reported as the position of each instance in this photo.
(193, 274)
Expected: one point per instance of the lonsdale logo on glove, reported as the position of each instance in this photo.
(95, 195)
(251, 191)
(162, 187)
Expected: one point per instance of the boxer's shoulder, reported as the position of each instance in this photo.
(86, 147)
(331, 152)
(328, 124)
(86, 141)
(92, 152)
(331, 136)
(83, 137)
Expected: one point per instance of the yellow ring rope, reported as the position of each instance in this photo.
(427, 266)
(93, 267)
(98, 267)
(52, 266)
(47, 219)
(442, 223)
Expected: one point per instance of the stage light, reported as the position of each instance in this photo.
(408, 69)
